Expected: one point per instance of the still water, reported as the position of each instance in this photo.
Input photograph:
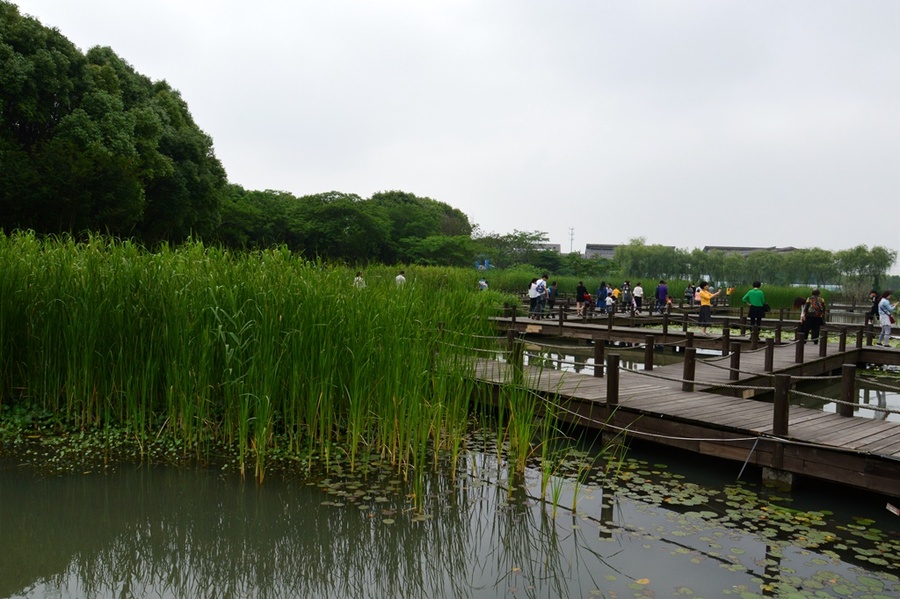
(680, 529)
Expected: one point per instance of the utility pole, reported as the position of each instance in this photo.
(571, 238)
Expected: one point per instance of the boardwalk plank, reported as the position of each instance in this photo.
(855, 450)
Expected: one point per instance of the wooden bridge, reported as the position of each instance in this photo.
(706, 406)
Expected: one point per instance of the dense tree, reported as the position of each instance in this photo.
(87, 143)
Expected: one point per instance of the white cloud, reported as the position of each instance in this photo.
(687, 123)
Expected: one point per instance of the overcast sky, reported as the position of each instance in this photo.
(687, 123)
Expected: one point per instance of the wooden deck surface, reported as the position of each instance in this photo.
(859, 451)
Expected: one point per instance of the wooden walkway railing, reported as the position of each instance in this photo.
(706, 406)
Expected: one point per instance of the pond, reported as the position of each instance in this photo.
(685, 528)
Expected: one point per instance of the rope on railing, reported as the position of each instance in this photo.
(717, 384)
(873, 383)
(846, 403)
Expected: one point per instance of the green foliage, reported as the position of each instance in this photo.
(245, 350)
(89, 144)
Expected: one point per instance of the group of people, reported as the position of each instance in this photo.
(541, 296)
(813, 309)
(608, 298)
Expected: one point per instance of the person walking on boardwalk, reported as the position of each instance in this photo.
(662, 296)
(542, 295)
(579, 298)
(813, 316)
(706, 306)
(532, 298)
(552, 293)
(875, 298)
(756, 299)
(638, 297)
(885, 316)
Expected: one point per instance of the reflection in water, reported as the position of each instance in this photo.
(176, 533)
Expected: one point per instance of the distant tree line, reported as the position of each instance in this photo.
(812, 266)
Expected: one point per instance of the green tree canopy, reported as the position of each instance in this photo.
(87, 143)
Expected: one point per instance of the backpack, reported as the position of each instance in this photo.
(815, 306)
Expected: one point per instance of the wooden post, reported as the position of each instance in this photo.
(780, 315)
(726, 338)
(859, 338)
(609, 321)
(848, 390)
(798, 348)
(599, 348)
(842, 341)
(870, 337)
(562, 317)
(688, 339)
(733, 374)
(612, 380)
(690, 363)
(754, 337)
(648, 352)
(778, 332)
(770, 356)
(823, 343)
(665, 325)
(782, 405)
(684, 324)
(513, 315)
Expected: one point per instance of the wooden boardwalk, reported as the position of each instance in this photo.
(719, 418)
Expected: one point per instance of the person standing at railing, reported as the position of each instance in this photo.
(756, 299)
(885, 316)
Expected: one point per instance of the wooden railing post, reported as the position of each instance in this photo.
(684, 323)
(513, 314)
(848, 390)
(782, 405)
(688, 339)
(798, 348)
(778, 332)
(842, 341)
(733, 373)
(599, 348)
(690, 364)
(823, 343)
(665, 325)
(859, 338)
(562, 318)
(770, 356)
(612, 379)
(754, 337)
(726, 338)
(648, 352)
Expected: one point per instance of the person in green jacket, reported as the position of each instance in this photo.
(757, 301)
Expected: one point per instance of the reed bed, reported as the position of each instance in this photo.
(258, 353)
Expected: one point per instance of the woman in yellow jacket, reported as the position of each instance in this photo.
(706, 305)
